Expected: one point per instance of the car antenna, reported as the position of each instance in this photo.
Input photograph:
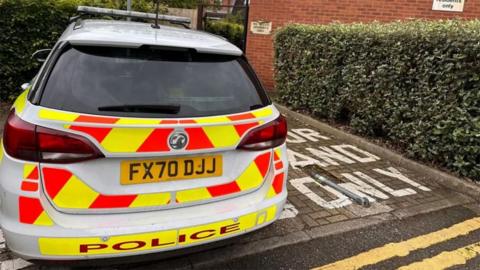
(156, 26)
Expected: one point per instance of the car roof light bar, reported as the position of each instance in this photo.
(132, 14)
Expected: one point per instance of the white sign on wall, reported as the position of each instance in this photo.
(448, 5)
(261, 27)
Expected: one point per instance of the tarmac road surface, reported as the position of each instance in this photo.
(446, 239)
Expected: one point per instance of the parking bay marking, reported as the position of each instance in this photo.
(372, 191)
(404, 248)
(301, 135)
(330, 156)
(357, 182)
(289, 211)
(14, 264)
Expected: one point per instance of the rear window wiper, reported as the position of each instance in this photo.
(167, 109)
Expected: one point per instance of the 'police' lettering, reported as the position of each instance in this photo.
(128, 245)
(230, 228)
(197, 235)
(84, 248)
(157, 242)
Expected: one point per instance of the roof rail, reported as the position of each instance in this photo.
(132, 14)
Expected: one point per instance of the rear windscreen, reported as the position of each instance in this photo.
(145, 81)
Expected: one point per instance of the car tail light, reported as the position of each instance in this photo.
(26, 141)
(267, 136)
(19, 138)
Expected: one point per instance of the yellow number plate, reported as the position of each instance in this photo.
(159, 170)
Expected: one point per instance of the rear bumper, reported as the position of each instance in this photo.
(35, 230)
(55, 243)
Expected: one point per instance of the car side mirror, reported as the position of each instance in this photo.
(41, 55)
(25, 86)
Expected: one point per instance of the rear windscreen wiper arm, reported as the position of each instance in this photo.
(168, 109)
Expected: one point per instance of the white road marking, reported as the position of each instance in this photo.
(328, 155)
(341, 200)
(294, 138)
(14, 264)
(397, 193)
(355, 185)
(289, 211)
(298, 160)
(394, 173)
(2, 241)
(353, 151)
(310, 134)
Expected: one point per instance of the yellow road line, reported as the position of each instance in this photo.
(446, 259)
(403, 248)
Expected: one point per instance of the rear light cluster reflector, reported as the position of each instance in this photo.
(270, 135)
(26, 141)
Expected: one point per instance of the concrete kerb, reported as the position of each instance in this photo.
(444, 179)
(207, 260)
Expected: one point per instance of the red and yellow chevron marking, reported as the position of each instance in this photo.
(29, 186)
(69, 192)
(30, 209)
(31, 212)
(56, 115)
(277, 183)
(116, 135)
(128, 140)
(277, 186)
(250, 179)
(30, 178)
(277, 155)
(30, 171)
(1, 151)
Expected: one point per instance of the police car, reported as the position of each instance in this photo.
(135, 139)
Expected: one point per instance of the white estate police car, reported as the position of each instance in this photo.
(132, 140)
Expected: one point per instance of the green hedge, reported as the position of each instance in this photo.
(415, 84)
(29, 25)
(26, 26)
(230, 30)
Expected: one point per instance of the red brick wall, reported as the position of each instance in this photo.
(281, 12)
